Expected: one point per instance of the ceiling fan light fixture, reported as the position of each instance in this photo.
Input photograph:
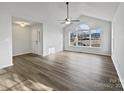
(67, 22)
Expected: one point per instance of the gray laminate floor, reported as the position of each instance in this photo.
(70, 71)
(10, 80)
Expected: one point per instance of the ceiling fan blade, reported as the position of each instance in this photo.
(75, 20)
(60, 20)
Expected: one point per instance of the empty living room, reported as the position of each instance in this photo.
(61, 46)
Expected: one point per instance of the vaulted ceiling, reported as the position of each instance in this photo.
(50, 12)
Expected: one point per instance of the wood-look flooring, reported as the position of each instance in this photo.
(12, 81)
(70, 71)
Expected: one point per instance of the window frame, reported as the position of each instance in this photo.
(89, 38)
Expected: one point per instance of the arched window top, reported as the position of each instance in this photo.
(96, 30)
(82, 27)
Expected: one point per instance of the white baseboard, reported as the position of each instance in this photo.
(116, 67)
(21, 53)
(6, 66)
(104, 54)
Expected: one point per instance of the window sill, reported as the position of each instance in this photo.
(85, 47)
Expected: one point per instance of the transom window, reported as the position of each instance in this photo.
(84, 36)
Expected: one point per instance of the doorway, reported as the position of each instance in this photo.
(27, 37)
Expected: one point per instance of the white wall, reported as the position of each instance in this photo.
(5, 39)
(118, 41)
(92, 22)
(52, 38)
(21, 39)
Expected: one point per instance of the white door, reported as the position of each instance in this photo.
(36, 42)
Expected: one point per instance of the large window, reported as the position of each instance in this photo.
(85, 36)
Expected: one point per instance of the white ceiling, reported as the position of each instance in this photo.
(16, 20)
(51, 12)
(103, 10)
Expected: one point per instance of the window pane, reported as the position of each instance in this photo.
(83, 38)
(95, 37)
(73, 39)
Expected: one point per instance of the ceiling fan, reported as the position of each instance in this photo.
(68, 20)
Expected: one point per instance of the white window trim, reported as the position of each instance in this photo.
(83, 46)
